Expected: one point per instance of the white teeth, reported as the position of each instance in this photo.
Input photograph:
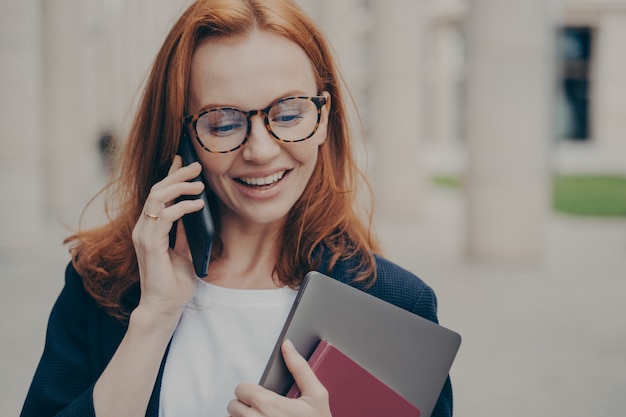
(270, 179)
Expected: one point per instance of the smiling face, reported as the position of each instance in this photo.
(259, 182)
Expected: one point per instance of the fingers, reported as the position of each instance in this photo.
(252, 394)
(175, 174)
(160, 211)
(305, 378)
(151, 234)
(175, 184)
(253, 400)
(177, 163)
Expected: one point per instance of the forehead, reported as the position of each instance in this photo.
(248, 71)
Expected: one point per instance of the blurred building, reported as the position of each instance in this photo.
(590, 73)
(71, 72)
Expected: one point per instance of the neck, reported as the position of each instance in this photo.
(248, 259)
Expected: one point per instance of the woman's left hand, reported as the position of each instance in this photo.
(255, 401)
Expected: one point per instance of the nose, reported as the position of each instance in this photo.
(260, 147)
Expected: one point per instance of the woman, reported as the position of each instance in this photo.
(134, 331)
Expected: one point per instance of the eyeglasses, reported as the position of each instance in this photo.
(225, 129)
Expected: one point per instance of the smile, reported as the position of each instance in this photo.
(263, 181)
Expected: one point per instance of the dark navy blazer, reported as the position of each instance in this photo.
(81, 340)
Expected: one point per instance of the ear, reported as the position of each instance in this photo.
(322, 130)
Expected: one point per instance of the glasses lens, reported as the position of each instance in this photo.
(293, 119)
(222, 129)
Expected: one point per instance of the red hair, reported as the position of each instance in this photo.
(325, 214)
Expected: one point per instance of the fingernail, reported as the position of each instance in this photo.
(289, 345)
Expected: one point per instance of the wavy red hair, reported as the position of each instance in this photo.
(324, 216)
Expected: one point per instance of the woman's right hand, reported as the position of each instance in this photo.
(255, 401)
(167, 277)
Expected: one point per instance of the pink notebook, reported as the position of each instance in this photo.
(353, 390)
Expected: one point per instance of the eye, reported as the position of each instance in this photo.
(287, 118)
(224, 129)
(222, 122)
(289, 112)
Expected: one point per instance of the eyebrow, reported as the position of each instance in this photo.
(291, 93)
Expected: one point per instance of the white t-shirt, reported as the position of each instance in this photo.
(225, 337)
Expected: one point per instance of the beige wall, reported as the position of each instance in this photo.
(21, 130)
(609, 81)
(508, 129)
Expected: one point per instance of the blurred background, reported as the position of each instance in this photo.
(495, 139)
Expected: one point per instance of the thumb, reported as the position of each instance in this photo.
(305, 378)
(180, 244)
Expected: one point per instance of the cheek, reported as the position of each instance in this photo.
(307, 153)
(214, 166)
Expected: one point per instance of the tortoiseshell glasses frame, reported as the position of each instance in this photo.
(226, 129)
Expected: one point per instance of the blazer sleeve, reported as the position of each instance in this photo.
(63, 382)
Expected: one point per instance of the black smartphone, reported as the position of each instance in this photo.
(198, 225)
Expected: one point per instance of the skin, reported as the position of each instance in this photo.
(249, 73)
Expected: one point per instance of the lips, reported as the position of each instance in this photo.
(262, 181)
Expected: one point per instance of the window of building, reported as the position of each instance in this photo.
(575, 54)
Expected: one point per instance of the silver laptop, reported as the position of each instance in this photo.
(410, 354)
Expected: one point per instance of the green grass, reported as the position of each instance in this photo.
(451, 182)
(585, 195)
